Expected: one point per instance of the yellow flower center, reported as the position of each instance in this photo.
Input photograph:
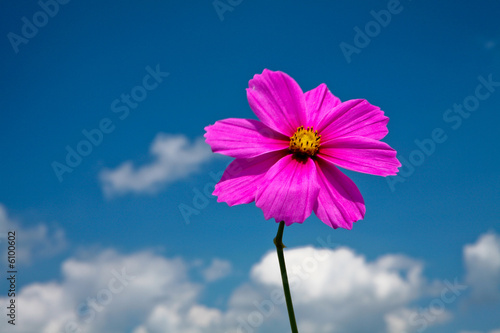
(305, 141)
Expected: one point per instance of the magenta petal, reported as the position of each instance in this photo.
(242, 178)
(278, 101)
(339, 201)
(319, 102)
(289, 191)
(244, 138)
(356, 117)
(361, 154)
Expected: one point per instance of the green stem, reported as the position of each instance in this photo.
(284, 277)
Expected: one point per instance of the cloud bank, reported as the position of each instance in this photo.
(145, 292)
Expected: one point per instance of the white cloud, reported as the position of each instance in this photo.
(31, 242)
(380, 280)
(331, 288)
(410, 320)
(218, 269)
(197, 319)
(482, 262)
(334, 290)
(109, 292)
(173, 158)
(399, 321)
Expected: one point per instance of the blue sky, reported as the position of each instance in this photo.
(144, 79)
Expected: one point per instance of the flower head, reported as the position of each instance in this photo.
(286, 162)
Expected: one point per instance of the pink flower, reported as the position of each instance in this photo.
(286, 162)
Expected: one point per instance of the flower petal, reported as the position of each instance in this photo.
(319, 102)
(278, 101)
(361, 154)
(339, 201)
(289, 191)
(244, 138)
(242, 178)
(356, 117)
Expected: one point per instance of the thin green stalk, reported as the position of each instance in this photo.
(281, 258)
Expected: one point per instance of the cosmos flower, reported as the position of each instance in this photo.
(287, 162)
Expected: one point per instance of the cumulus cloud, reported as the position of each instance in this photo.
(109, 292)
(218, 269)
(332, 287)
(148, 293)
(173, 158)
(34, 241)
(482, 263)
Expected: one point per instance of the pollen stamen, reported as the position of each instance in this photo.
(305, 141)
